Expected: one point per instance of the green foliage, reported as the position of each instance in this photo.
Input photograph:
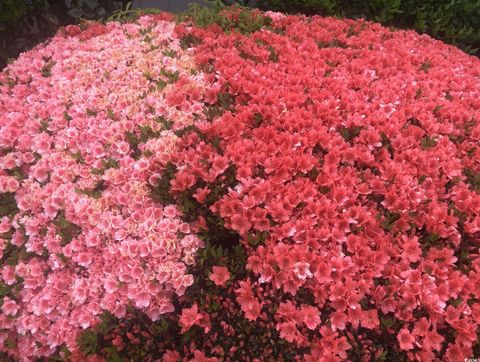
(134, 139)
(96, 192)
(188, 41)
(13, 254)
(427, 142)
(256, 239)
(389, 220)
(90, 339)
(166, 123)
(172, 77)
(77, 156)
(246, 21)
(95, 9)
(8, 205)
(11, 11)
(350, 133)
(66, 229)
(473, 179)
(47, 68)
(161, 192)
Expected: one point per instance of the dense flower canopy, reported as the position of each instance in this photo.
(342, 156)
(94, 240)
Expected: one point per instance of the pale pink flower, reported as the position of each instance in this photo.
(9, 306)
(142, 300)
(302, 271)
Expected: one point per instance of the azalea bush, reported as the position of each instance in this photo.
(239, 185)
(455, 22)
(25, 23)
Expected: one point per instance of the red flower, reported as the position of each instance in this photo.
(248, 302)
(219, 275)
(288, 331)
(189, 317)
(370, 319)
(411, 249)
(311, 316)
(210, 96)
(433, 340)
(405, 339)
(339, 321)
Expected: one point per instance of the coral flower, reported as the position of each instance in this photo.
(405, 339)
(219, 275)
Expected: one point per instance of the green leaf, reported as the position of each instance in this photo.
(8, 204)
(389, 220)
(66, 229)
(77, 156)
(92, 4)
(172, 77)
(66, 116)
(111, 114)
(455, 302)
(113, 355)
(427, 142)
(473, 179)
(350, 133)
(387, 322)
(88, 342)
(96, 192)
(47, 68)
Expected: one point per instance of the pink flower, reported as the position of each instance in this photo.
(189, 317)
(219, 275)
(9, 306)
(248, 302)
(8, 275)
(252, 309)
(370, 319)
(411, 248)
(405, 339)
(288, 331)
(5, 225)
(171, 356)
(143, 299)
(200, 356)
(311, 317)
(353, 174)
(339, 321)
(201, 194)
(210, 96)
(302, 271)
(433, 340)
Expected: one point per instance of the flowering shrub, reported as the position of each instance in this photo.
(459, 19)
(84, 121)
(301, 188)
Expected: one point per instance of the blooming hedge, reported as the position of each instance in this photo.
(240, 186)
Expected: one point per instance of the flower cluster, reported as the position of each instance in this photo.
(83, 122)
(329, 167)
(356, 190)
